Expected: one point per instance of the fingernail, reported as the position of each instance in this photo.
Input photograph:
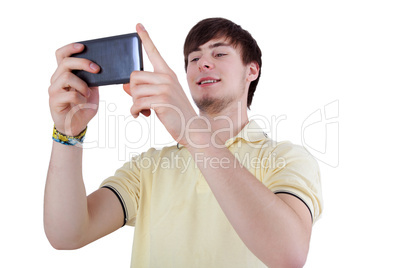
(141, 26)
(78, 46)
(93, 66)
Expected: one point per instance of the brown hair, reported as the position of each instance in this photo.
(214, 28)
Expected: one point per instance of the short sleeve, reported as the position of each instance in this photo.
(296, 172)
(126, 185)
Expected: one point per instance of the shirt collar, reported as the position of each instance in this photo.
(251, 132)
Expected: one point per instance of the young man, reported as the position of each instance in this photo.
(225, 196)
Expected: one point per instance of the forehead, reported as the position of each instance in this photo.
(215, 43)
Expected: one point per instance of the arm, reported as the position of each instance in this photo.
(276, 228)
(71, 219)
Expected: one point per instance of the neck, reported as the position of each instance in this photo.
(227, 123)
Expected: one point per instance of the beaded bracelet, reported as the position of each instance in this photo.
(68, 140)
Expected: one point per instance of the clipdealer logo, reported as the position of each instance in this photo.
(319, 131)
(320, 134)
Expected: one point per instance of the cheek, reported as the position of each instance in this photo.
(190, 82)
(190, 76)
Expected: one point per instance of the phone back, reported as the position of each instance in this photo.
(117, 56)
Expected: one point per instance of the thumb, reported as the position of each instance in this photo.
(126, 88)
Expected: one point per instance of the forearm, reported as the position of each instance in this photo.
(65, 204)
(267, 226)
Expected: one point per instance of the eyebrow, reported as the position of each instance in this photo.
(215, 45)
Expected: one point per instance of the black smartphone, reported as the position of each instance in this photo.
(118, 56)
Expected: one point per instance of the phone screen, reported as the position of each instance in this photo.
(117, 56)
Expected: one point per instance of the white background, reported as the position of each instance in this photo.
(344, 54)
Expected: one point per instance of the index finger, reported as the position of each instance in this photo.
(154, 56)
(68, 50)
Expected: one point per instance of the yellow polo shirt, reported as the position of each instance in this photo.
(178, 222)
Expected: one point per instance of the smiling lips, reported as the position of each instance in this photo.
(207, 81)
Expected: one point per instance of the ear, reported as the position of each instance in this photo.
(253, 71)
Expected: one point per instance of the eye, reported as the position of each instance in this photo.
(195, 59)
(218, 55)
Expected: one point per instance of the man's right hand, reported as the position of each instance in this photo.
(72, 103)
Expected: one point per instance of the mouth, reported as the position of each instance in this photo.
(207, 81)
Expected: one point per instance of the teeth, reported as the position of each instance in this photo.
(208, 82)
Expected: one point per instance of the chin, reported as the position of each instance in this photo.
(211, 105)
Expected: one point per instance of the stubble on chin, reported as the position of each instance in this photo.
(213, 106)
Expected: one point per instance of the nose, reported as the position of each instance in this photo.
(205, 64)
